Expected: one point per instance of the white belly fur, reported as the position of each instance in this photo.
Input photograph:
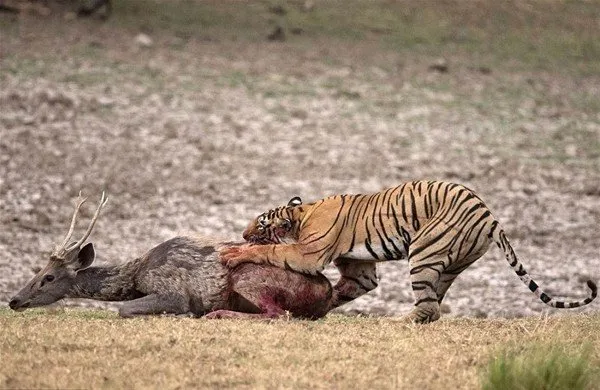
(360, 252)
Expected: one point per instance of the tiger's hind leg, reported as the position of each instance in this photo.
(425, 281)
(446, 280)
(438, 254)
(447, 277)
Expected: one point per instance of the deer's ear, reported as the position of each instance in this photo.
(85, 257)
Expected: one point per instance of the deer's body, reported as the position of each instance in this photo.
(179, 276)
(184, 275)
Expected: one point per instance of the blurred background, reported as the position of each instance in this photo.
(196, 116)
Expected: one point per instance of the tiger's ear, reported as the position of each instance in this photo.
(295, 201)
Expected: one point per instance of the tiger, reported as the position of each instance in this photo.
(441, 228)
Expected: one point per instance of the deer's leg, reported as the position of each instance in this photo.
(269, 314)
(155, 304)
(356, 279)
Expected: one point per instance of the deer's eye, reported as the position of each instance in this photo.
(48, 278)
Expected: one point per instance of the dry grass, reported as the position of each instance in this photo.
(77, 348)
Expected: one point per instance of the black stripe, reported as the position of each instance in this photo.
(545, 298)
(419, 268)
(463, 223)
(371, 250)
(426, 206)
(398, 252)
(414, 216)
(417, 303)
(448, 215)
(405, 236)
(446, 189)
(493, 228)
(352, 242)
(425, 284)
(457, 271)
(352, 211)
(532, 286)
(437, 196)
(384, 232)
(395, 218)
(403, 207)
(375, 207)
(367, 231)
(369, 199)
(431, 242)
(386, 252)
(418, 187)
(483, 217)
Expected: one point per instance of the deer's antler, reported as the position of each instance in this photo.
(80, 201)
(62, 249)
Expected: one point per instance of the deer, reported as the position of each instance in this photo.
(180, 276)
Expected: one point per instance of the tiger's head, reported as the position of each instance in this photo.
(275, 226)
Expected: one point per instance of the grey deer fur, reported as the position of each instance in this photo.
(179, 276)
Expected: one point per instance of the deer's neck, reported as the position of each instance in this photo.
(111, 283)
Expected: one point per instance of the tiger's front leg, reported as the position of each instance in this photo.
(286, 256)
(356, 279)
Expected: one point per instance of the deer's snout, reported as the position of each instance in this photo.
(17, 304)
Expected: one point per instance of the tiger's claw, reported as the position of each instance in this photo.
(231, 257)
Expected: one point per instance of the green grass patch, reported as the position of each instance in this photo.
(542, 368)
(542, 35)
(192, 19)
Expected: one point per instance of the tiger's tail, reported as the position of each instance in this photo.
(498, 236)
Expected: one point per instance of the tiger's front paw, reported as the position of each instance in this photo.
(232, 256)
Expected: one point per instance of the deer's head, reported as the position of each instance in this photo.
(56, 279)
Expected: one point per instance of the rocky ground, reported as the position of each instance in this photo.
(200, 135)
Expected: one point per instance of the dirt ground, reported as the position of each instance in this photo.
(200, 132)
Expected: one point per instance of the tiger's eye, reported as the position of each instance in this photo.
(262, 220)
